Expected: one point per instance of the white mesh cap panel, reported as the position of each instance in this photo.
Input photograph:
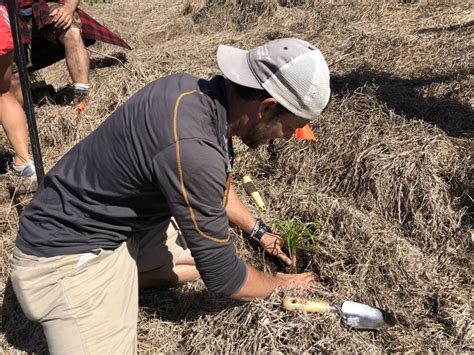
(269, 58)
(302, 85)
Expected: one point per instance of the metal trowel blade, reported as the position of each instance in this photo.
(362, 316)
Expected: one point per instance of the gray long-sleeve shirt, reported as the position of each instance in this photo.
(162, 153)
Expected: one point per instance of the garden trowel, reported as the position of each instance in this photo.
(354, 314)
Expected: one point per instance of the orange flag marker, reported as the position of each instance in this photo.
(305, 133)
(81, 106)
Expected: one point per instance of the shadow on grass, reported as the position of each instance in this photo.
(177, 305)
(20, 332)
(44, 93)
(450, 28)
(114, 59)
(6, 159)
(403, 95)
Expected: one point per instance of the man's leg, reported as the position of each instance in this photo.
(183, 271)
(15, 88)
(77, 58)
(86, 303)
(13, 121)
(163, 258)
(77, 61)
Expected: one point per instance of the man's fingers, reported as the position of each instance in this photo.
(305, 280)
(276, 251)
(67, 23)
(283, 257)
(56, 20)
(272, 244)
(58, 16)
(62, 20)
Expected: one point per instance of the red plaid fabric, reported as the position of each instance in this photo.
(91, 29)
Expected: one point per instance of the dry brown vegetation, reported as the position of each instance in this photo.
(390, 179)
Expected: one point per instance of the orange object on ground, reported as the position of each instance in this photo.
(81, 98)
(305, 133)
(81, 106)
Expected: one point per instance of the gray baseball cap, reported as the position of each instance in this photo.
(292, 71)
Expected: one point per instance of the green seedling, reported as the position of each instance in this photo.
(298, 236)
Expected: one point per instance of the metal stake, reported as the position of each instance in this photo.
(26, 91)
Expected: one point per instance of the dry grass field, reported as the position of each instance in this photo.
(389, 180)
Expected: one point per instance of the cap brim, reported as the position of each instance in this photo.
(234, 65)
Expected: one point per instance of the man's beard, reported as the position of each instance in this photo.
(253, 139)
(250, 142)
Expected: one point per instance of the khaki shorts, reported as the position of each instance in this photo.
(48, 33)
(51, 33)
(88, 303)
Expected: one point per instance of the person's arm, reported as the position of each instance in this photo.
(62, 16)
(261, 285)
(241, 216)
(194, 190)
(191, 175)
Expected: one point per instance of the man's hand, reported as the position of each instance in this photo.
(261, 285)
(62, 17)
(272, 243)
(303, 281)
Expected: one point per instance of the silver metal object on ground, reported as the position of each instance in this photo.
(354, 314)
(362, 316)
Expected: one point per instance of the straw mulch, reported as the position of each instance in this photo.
(389, 180)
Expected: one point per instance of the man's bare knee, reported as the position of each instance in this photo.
(71, 38)
(15, 87)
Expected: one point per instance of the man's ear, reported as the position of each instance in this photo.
(266, 107)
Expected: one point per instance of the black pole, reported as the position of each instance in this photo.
(26, 91)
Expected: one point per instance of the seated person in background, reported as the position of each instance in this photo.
(12, 116)
(57, 30)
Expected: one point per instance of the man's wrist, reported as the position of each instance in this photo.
(69, 8)
(258, 230)
(71, 5)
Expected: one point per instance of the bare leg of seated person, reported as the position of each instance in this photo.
(77, 61)
(15, 88)
(13, 120)
(163, 258)
(183, 271)
(77, 58)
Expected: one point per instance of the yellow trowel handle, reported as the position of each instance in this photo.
(252, 191)
(296, 303)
